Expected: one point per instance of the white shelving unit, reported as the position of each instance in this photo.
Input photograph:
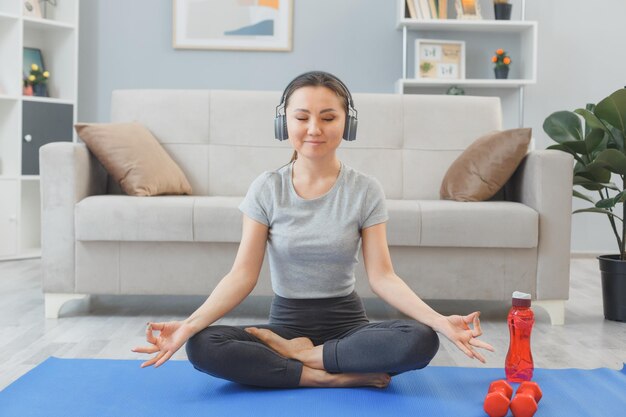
(482, 37)
(56, 35)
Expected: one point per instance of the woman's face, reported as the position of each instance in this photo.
(315, 121)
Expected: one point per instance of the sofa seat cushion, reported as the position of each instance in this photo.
(129, 218)
(492, 224)
(434, 223)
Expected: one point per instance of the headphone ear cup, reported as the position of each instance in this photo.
(280, 127)
(349, 131)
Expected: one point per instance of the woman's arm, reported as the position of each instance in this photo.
(239, 282)
(391, 288)
(229, 292)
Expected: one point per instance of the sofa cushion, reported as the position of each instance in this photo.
(134, 158)
(485, 166)
(493, 224)
(128, 218)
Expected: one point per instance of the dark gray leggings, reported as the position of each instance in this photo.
(351, 343)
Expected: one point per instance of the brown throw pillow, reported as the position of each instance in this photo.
(134, 158)
(485, 166)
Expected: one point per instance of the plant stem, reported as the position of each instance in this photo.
(612, 221)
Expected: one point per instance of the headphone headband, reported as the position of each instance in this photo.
(345, 89)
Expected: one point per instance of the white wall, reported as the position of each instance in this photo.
(127, 44)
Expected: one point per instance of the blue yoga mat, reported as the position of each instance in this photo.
(102, 387)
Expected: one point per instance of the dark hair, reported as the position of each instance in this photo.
(316, 79)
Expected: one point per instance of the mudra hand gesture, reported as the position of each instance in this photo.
(172, 335)
(457, 330)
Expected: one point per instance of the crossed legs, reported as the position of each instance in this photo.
(274, 356)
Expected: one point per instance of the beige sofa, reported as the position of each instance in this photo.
(97, 241)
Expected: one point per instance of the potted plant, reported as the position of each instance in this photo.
(600, 154)
(502, 9)
(38, 80)
(502, 61)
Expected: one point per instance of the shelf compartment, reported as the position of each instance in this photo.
(58, 46)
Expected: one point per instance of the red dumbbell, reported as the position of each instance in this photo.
(498, 399)
(526, 399)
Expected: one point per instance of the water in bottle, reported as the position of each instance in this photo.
(519, 364)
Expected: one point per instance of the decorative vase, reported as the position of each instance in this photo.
(613, 272)
(503, 11)
(40, 90)
(502, 72)
(27, 90)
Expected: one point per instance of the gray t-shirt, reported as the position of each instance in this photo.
(313, 245)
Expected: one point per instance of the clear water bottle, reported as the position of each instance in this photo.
(519, 364)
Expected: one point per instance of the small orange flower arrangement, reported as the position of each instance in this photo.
(501, 59)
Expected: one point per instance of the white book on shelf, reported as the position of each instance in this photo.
(425, 8)
(418, 10)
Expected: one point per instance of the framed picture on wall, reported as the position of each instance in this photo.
(444, 59)
(248, 25)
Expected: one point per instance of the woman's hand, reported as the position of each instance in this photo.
(172, 335)
(456, 328)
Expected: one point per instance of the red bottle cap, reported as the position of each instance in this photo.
(521, 299)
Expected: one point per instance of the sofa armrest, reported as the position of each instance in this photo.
(68, 173)
(543, 181)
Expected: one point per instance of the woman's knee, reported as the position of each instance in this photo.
(203, 347)
(422, 344)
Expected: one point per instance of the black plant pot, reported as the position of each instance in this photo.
(501, 72)
(503, 11)
(613, 272)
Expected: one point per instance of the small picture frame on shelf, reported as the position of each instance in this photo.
(31, 8)
(468, 9)
(32, 56)
(440, 59)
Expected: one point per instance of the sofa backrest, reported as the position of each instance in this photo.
(223, 139)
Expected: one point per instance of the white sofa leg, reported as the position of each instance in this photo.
(555, 309)
(54, 301)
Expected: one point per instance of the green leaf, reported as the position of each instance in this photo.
(594, 139)
(613, 110)
(591, 120)
(595, 172)
(577, 146)
(616, 137)
(620, 197)
(596, 210)
(583, 196)
(613, 160)
(563, 126)
(606, 203)
(594, 185)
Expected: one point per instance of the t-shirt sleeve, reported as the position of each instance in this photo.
(375, 206)
(257, 202)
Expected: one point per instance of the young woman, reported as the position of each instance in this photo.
(313, 214)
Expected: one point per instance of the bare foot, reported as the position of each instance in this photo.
(319, 378)
(297, 348)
